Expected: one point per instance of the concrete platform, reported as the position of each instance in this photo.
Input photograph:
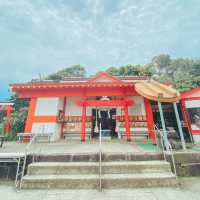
(75, 146)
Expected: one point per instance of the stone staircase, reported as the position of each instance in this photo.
(85, 174)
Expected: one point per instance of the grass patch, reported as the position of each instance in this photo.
(147, 146)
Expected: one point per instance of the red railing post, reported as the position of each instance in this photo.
(8, 111)
(149, 118)
(63, 125)
(128, 132)
(83, 122)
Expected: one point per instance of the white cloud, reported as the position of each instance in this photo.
(39, 36)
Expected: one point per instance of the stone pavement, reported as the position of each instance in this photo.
(189, 190)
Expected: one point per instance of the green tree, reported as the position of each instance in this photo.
(75, 70)
(162, 63)
(183, 73)
(130, 70)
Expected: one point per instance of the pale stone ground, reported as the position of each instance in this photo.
(92, 146)
(189, 190)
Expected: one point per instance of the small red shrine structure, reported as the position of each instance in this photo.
(8, 108)
(76, 104)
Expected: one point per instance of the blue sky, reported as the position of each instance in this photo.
(43, 36)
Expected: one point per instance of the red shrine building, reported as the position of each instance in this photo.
(78, 105)
(190, 104)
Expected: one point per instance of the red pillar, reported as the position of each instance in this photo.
(149, 118)
(31, 111)
(128, 132)
(62, 125)
(8, 111)
(186, 117)
(83, 122)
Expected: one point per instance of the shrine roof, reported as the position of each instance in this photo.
(157, 91)
(122, 78)
(101, 80)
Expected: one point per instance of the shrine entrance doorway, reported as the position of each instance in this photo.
(107, 118)
(105, 105)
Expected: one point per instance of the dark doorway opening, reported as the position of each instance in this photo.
(170, 118)
(107, 118)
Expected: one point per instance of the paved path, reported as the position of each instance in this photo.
(189, 190)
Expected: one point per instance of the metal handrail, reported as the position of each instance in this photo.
(165, 143)
(25, 158)
(100, 160)
(172, 157)
(161, 140)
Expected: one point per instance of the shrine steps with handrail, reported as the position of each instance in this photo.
(102, 174)
(100, 171)
(85, 175)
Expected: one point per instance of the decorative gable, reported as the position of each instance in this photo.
(104, 77)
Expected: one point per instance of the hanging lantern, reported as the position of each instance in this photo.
(96, 128)
(104, 98)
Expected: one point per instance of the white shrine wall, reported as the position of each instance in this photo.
(72, 109)
(138, 107)
(48, 106)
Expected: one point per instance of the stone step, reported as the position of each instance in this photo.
(92, 181)
(130, 167)
(111, 181)
(53, 168)
(93, 167)
(94, 157)
(60, 181)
